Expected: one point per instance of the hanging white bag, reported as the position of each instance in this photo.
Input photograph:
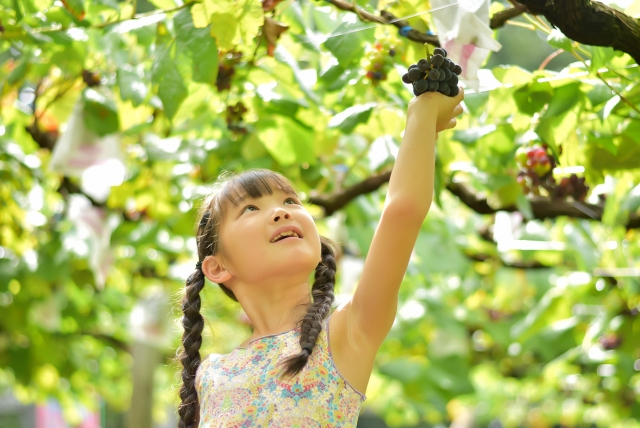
(80, 152)
(463, 30)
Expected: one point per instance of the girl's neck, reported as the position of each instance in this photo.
(273, 312)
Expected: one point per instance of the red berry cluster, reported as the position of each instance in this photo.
(226, 69)
(234, 119)
(536, 171)
(380, 58)
(536, 167)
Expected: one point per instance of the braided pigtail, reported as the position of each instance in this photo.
(193, 324)
(322, 292)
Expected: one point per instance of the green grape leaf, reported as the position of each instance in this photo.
(632, 131)
(201, 46)
(287, 141)
(600, 57)
(471, 135)
(251, 18)
(532, 97)
(347, 120)
(234, 22)
(348, 49)
(163, 4)
(199, 15)
(19, 71)
(554, 130)
(564, 98)
(131, 85)
(225, 29)
(559, 41)
(511, 75)
(76, 8)
(630, 203)
(553, 306)
(172, 90)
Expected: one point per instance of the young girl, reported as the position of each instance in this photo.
(301, 367)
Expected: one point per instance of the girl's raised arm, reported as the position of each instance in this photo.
(373, 306)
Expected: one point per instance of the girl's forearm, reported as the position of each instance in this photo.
(412, 177)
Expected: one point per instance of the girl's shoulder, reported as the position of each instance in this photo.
(204, 365)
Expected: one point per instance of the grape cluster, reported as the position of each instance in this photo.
(436, 73)
(571, 186)
(535, 159)
(610, 341)
(90, 78)
(536, 173)
(226, 69)
(234, 118)
(380, 57)
(536, 167)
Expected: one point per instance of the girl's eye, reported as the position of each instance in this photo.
(288, 199)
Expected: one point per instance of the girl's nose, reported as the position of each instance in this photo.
(281, 213)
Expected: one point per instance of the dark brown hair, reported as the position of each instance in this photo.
(255, 183)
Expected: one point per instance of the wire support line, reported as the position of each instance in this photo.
(369, 27)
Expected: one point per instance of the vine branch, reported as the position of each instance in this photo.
(585, 21)
(387, 18)
(591, 23)
(541, 207)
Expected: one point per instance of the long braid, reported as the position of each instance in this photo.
(193, 323)
(323, 296)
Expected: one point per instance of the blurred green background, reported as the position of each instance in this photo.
(519, 307)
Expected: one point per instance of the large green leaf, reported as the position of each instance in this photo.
(532, 97)
(201, 46)
(171, 88)
(287, 141)
(131, 84)
(347, 120)
(348, 49)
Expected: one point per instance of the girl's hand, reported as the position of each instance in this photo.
(432, 105)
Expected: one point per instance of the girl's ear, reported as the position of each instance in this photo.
(215, 270)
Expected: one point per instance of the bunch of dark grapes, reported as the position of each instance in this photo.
(90, 78)
(571, 186)
(380, 57)
(234, 118)
(436, 73)
(226, 69)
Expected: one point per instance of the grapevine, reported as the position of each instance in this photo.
(436, 73)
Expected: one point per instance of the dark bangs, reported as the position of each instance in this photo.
(254, 183)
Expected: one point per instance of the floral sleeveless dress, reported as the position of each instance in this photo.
(242, 389)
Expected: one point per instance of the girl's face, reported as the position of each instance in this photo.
(245, 240)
